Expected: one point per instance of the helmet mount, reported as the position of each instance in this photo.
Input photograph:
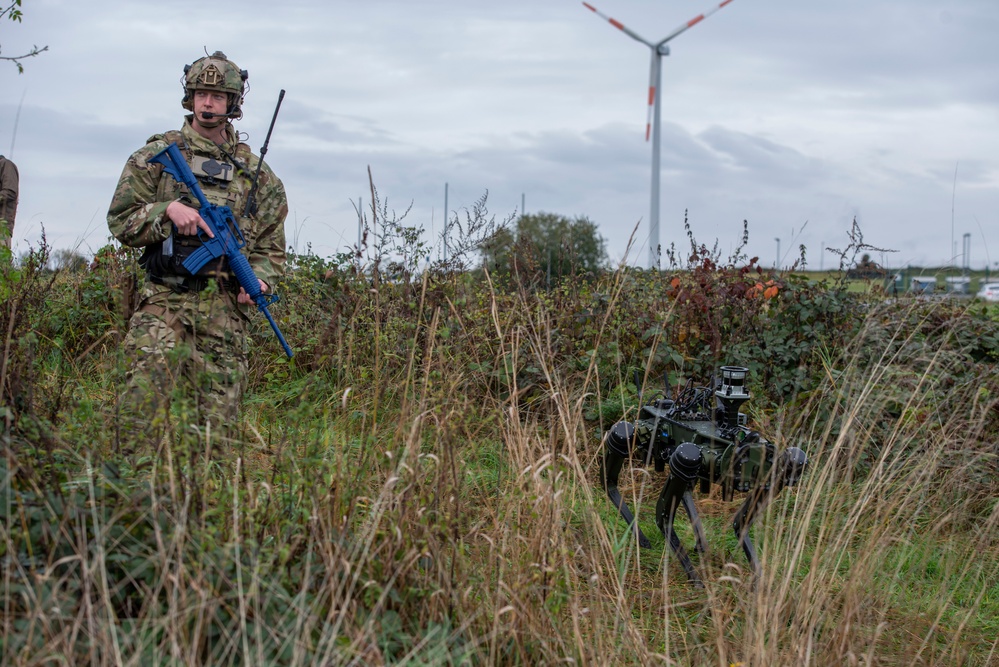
(216, 73)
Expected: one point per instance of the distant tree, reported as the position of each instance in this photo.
(70, 261)
(545, 248)
(13, 12)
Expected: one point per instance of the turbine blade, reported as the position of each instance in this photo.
(620, 26)
(692, 22)
(652, 95)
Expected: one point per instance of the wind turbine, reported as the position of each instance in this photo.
(659, 49)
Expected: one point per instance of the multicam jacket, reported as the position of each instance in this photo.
(8, 190)
(137, 216)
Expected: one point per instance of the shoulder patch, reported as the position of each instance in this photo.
(169, 137)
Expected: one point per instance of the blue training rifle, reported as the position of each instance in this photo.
(228, 237)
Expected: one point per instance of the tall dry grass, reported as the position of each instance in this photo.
(397, 507)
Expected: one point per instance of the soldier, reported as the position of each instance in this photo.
(8, 199)
(188, 334)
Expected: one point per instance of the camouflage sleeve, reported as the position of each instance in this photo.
(267, 250)
(135, 217)
(8, 181)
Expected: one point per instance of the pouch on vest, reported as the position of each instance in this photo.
(166, 258)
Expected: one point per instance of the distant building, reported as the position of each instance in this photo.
(868, 269)
(959, 285)
(922, 284)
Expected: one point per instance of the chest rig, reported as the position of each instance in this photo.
(223, 184)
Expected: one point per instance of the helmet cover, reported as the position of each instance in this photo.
(218, 73)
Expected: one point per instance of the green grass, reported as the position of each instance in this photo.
(424, 497)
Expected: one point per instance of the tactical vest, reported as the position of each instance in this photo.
(224, 183)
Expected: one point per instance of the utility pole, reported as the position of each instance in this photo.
(360, 224)
(953, 196)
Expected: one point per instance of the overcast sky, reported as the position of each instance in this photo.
(796, 116)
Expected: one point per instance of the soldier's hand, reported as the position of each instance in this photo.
(187, 219)
(243, 297)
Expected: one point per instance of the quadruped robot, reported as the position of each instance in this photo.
(701, 435)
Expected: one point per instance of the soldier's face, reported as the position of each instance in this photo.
(209, 101)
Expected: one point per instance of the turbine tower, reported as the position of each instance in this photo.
(659, 49)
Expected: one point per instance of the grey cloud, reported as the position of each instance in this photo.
(778, 112)
(757, 155)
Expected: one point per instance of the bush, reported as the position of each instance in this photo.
(417, 484)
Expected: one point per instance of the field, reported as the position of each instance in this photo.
(420, 485)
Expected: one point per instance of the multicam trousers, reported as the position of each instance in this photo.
(188, 363)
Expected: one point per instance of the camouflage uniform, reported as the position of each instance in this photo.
(8, 199)
(193, 341)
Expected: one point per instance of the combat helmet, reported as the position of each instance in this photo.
(215, 72)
